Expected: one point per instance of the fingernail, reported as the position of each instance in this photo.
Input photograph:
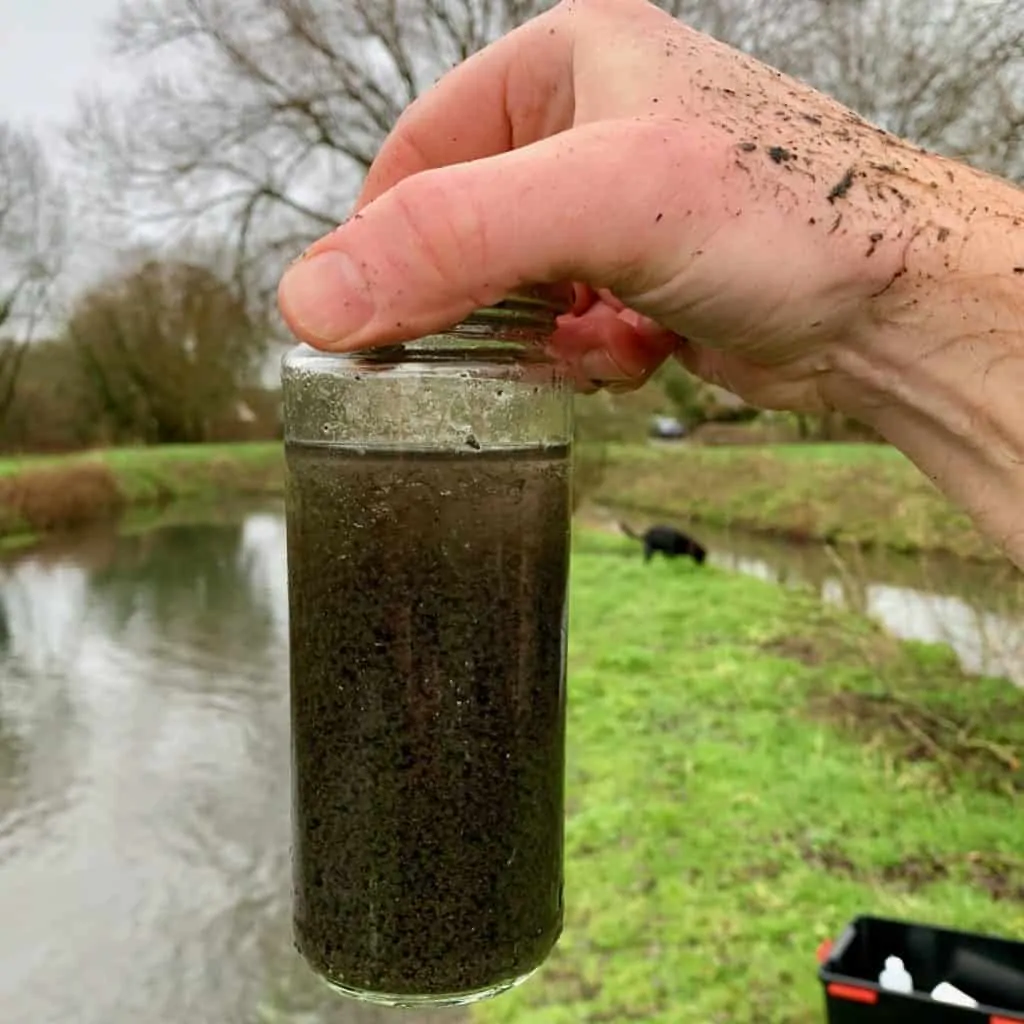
(326, 296)
(598, 366)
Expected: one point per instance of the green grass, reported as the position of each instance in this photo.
(144, 461)
(864, 455)
(864, 495)
(749, 770)
(193, 471)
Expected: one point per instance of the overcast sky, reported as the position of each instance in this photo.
(49, 49)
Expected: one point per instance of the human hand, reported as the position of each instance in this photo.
(706, 206)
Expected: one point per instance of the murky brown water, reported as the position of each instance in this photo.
(144, 770)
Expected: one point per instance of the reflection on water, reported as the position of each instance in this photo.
(144, 785)
(977, 609)
(144, 762)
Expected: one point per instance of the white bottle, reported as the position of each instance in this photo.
(895, 976)
(946, 993)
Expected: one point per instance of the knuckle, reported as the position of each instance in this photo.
(443, 229)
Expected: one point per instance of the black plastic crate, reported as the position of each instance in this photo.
(989, 969)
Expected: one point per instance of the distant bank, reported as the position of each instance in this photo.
(858, 494)
(866, 495)
(54, 493)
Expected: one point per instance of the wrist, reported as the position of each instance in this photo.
(937, 368)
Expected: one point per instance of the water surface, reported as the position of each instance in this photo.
(144, 785)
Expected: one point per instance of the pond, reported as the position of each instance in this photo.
(144, 767)
(144, 784)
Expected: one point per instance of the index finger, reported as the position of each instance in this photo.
(511, 93)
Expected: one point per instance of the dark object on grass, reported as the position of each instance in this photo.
(667, 540)
(428, 595)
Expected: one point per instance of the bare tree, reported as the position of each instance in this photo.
(32, 211)
(263, 115)
(168, 350)
(267, 113)
(948, 75)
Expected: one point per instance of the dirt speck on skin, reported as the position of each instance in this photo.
(1018, 270)
(892, 280)
(779, 154)
(944, 234)
(874, 238)
(747, 147)
(842, 186)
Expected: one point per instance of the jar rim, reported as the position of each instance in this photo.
(512, 329)
(437, 351)
(530, 306)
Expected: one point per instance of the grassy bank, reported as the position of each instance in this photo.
(748, 770)
(39, 495)
(868, 495)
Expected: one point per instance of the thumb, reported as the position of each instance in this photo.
(586, 205)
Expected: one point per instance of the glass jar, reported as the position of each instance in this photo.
(428, 513)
